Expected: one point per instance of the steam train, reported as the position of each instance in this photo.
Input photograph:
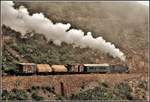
(32, 68)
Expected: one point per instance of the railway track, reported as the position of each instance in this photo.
(62, 73)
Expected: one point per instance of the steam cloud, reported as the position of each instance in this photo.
(20, 20)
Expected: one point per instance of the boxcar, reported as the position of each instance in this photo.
(81, 68)
(75, 68)
(43, 69)
(26, 68)
(58, 68)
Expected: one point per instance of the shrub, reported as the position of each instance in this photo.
(15, 94)
(123, 90)
(60, 97)
(82, 87)
(53, 90)
(5, 94)
(10, 70)
(36, 97)
(104, 84)
(49, 88)
(34, 88)
(142, 84)
(17, 82)
(29, 90)
(37, 87)
(98, 93)
(42, 87)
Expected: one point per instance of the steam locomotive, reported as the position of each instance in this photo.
(32, 68)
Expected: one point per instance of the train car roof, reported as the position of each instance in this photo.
(27, 63)
(105, 64)
(58, 66)
(43, 67)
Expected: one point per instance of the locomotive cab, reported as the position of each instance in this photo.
(119, 69)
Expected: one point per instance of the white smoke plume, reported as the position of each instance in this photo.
(20, 20)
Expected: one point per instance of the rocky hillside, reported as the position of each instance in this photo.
(120, 23)
(124, 24)
(76, 87)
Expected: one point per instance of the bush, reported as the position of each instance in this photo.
(123, 90)
(42, 87)
(49, 88)
(17, 82)
(19, 94)
(14, 94)
(104, 84)
(53, 90)
(10, 70)
(36, 97)
(98, 93)
(5, 94)
(60, 97)
(142, 84)
(29, 90)
(35, 88)
(82, 87)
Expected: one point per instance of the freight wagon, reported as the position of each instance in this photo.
(31, 68)
(26, 68)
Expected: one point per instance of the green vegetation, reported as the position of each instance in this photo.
(36, 97)
(29, 90)
(10, 70)
(44, 88)
(103, 91)
(115, 22)
(5, 94)
(101, 21)
(120, 92)
(94, 94)
(98, 93)
(142, 84)
(18, 82)
(28, 49)
(60, 97)
(123, 91)
(49, 89)
(34, 88)
(14, 94)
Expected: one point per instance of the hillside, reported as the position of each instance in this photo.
(119, 23)
(79, 86)
(123, 24)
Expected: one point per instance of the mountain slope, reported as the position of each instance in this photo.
(124, 24)
(117, 22)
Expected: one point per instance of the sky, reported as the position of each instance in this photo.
(144, 2)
